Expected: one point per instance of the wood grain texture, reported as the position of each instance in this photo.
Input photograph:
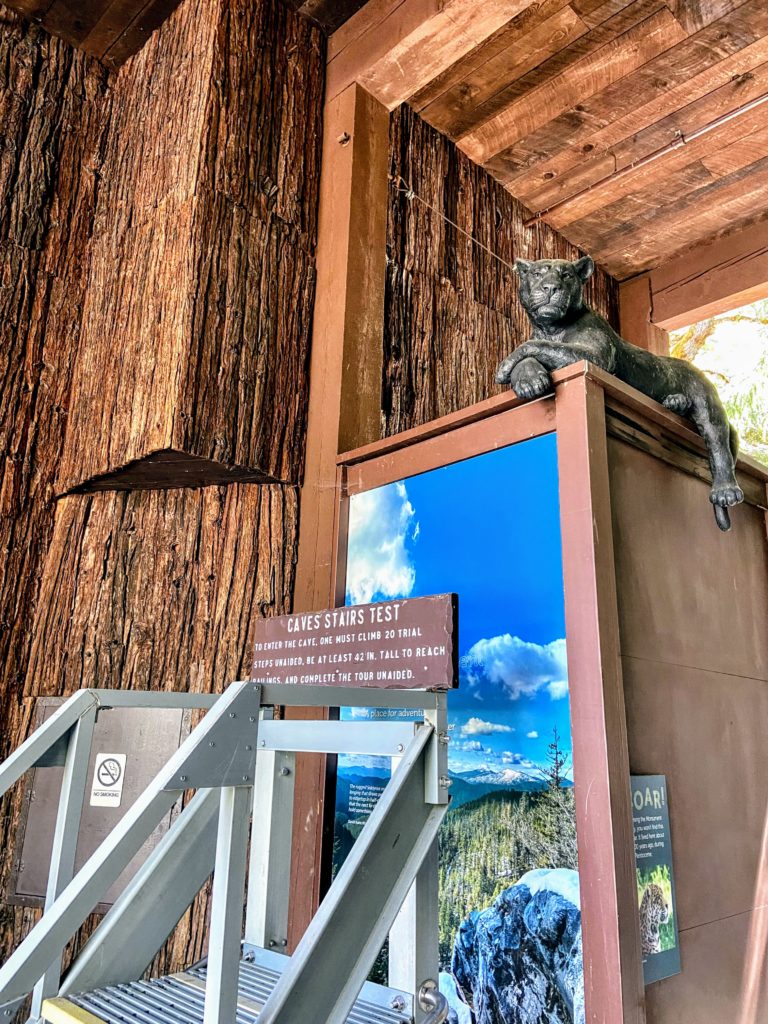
(154, 590)
(555, 97)
(591, 74)
(396, 47)
(199, 298)
(683, 88)
(452, 311)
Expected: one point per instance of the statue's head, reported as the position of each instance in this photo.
(551, 290)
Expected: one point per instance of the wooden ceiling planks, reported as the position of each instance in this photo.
(558, 99)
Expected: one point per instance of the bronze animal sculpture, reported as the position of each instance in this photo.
(566, 330)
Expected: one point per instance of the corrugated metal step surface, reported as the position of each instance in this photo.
(180, 998)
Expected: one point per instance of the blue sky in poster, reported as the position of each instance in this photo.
(487, 528)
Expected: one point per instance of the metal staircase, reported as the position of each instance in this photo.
(240, 761)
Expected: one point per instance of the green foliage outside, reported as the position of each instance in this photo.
(486, 845)
(659, 876)
(732, 350)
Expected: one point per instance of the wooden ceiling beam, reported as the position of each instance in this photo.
(588, 76)
(685, 198)
(734, 145)
(451, 101)
(545, 40)
(394, 48)
(111, 30)
(735, 94)
(721, 57)
(735, 200)
(723, 274)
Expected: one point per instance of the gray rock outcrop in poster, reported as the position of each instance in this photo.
(520, 961)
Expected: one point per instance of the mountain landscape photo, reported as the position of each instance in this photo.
(509, 917)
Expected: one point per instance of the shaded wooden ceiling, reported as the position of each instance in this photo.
(113, 30)
(328, 14)
(627, 109)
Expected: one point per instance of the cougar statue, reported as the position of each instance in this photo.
(566, 330)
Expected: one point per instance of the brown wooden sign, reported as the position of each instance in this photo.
(405, 644)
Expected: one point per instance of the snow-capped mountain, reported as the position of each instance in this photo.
(485, 776)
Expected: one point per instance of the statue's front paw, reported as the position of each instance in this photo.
(726, 494)
(530, 379)
(504, 371)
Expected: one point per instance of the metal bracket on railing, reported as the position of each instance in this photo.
(433, 1003)
(227, 756)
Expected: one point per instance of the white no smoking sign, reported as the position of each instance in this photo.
(108, 780)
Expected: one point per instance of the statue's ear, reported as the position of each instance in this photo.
(522, 267)
(585, 267)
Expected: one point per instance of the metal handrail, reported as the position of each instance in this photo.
(218, 759)
(433, 1002)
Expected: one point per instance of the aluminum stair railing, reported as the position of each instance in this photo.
(241, 761)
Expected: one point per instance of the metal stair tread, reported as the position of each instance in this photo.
(179, 999)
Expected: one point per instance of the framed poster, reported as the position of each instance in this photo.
(510, 917)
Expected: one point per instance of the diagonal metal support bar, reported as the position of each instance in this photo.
(40, 742)
(47, 939)
(332, 960)
(148, 909)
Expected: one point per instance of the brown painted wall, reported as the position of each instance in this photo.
(452, 312)
(693, 608)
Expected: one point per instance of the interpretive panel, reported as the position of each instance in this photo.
(487, 528)
(655, 878)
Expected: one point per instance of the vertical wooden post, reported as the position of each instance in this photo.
(345, 397)
(610, 921)
(635, 312)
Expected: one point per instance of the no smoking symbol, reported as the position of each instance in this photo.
(109, 772)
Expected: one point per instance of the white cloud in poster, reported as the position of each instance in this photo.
(479, 727)
(532, 735)
(474, 745)
(516, 668)
(379, 565)
(508, 757)
(558, 689)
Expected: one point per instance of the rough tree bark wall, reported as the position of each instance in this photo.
(52, 114)
(196, 325)
(158, 590)
(53, 106)
(216, 126)
(452, 311)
